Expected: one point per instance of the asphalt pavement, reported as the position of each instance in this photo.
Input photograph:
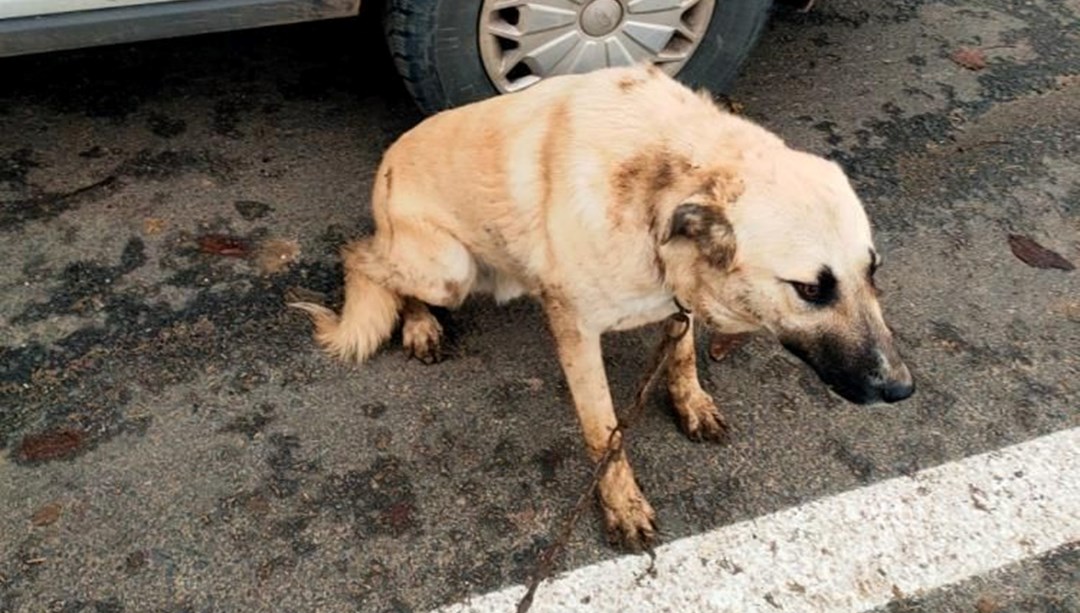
(171, 439)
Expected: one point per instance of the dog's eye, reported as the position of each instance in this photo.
(809, 292)
(870, 277)
(822, 293)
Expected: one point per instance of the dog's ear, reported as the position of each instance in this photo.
(708, 228)
(690, 220)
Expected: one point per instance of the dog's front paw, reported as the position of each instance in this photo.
(701, 420)
(628, 517)
(633, 526)
(421, 335)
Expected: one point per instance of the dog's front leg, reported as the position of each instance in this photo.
(698, 415)
(626, 512)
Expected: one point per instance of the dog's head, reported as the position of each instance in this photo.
(783, 243)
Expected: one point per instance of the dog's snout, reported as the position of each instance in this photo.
(895, 391)
(865, 376)
(890, 390)
(898, 383)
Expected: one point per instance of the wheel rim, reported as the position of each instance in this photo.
(525, 41)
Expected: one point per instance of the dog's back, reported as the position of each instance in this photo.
(561, 184)
(586, 155)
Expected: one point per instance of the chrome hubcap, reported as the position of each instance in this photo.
(524, 41)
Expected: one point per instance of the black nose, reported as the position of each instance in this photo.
(895, 391)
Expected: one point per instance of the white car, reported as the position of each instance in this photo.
(448, 52)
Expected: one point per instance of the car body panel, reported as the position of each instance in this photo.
(10, 9)
(155, 19)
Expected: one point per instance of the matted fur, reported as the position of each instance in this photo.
(612, 197)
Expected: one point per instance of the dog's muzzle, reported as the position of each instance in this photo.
(862, 376)
(895, 391)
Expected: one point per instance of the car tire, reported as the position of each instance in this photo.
(435, 46)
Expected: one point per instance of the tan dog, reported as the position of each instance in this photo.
(614, 197)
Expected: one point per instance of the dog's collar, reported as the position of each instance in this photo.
(679, 305)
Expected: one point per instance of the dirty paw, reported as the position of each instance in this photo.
(701, 420)
(632, 526)
(422, 338)
(628, 517)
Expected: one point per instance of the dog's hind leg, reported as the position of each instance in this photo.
(367, 319)
(422, 264)
(415, 260)
(698, 415)
(626, 511)
(412, 259)
(421, 333)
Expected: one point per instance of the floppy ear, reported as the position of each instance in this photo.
(708, 228)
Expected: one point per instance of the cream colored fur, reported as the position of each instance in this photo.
(607, 197)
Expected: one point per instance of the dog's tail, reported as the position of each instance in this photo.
(367, 319)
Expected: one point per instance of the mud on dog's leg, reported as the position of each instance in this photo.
(421, 333)
(627, 514)
(698, 415)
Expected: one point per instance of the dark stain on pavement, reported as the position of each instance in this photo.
(58, 444)
(136, 561)
(88, 286)
(170, 163)
(860, 465)
(377, 501)
(72, 381)
(47, 205)
(252, 423)
(15, 165)
(111, 605)
(252, 210)
(286, 468)
(145, 165)
(548, 461)
(373, 410)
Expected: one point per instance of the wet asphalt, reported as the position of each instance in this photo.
(171, 440)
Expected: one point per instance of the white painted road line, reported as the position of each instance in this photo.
(846, 553)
